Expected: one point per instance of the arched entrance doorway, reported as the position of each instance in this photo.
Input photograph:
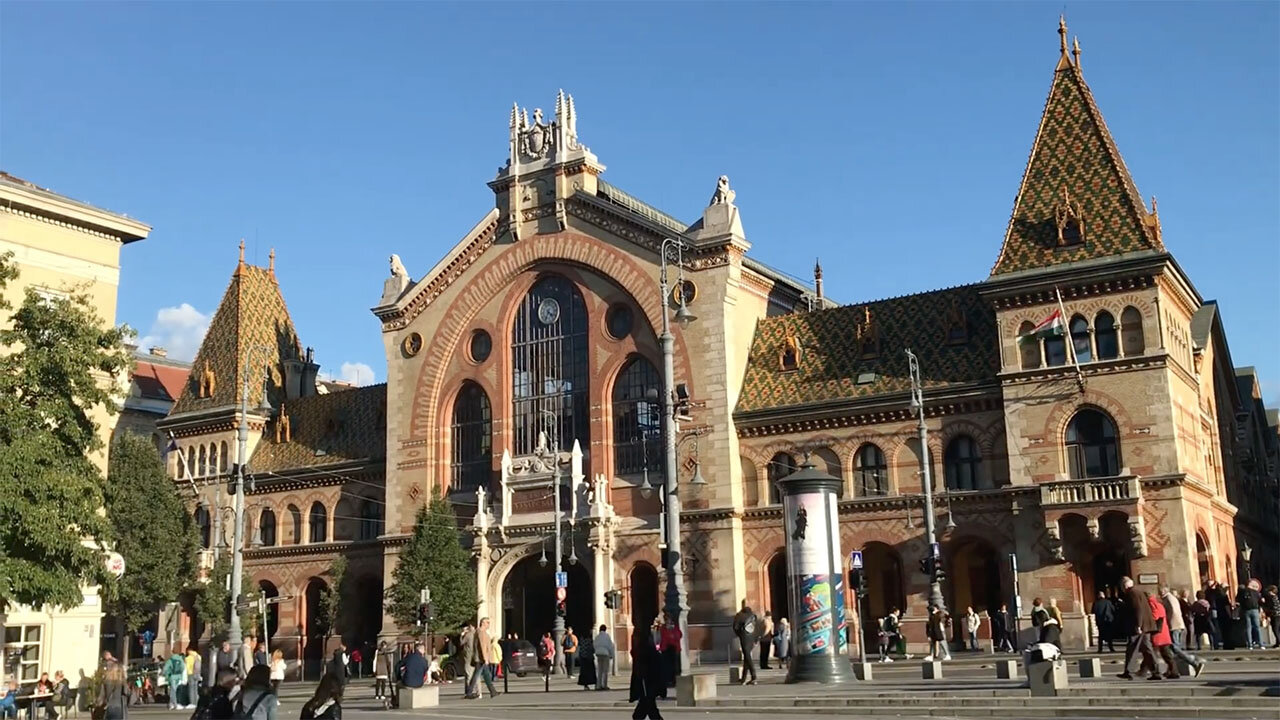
(975, 576)
(366, 621)
(645, 599)
(885, 591)
(313, 626)
(529, 599)
(271, 623)
(1204, 562)
(1098, 564)
(779, 600)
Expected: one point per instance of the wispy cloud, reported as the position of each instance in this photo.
(180, 330)
(356, 373)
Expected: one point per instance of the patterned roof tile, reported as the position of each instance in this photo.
(952, 332)
(326, 429)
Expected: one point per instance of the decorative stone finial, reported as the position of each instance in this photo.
(271, 260)
(1075, 50)
(724, 195)
(1062, 33)
(817, 277)
(241, 251)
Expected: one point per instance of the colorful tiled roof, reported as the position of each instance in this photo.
(1074, 153)
(326, 429)
(951, 331)
(252, 313)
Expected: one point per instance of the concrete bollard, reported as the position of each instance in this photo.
(1047, 679)
(694, 687)
(1090, 667)
(422, 697)
(931, 670)
(862, 671)
(1006, 669)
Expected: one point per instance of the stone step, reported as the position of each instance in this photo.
(1003, 710)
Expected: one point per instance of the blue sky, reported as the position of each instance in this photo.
(889, 139)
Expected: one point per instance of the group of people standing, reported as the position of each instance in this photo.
(1202, 620)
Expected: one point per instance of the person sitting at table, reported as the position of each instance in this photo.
(42, 696)
(9, 701)
(61, 693)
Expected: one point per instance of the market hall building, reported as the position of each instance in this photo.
(531, 351)
(537, 334)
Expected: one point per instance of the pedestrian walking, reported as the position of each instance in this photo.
(746, 627)
(1249, 600)
(570, 651)
(669, 641)
(782, 642)
(483, 657)
(972, 623)
(1178, 631)
(194, 664)
(1271, 605)
(338, 663)
(277, 667)
(257, 699)
(217, 703)
(883, 635)
(175, 669)
(587, 663)
(326, 703)
(1162, 641)
(1002, 629)
(766, 639)
(605, 652)
(111, 699)
(1104, 617)
(260, 653)
(936, 631)
(467, 648)
(1140, 625)
(226, 658)
(647, 681)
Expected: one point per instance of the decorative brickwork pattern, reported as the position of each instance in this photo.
(325, 429)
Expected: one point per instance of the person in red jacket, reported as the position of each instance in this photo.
(669, 647)
(1162, 640)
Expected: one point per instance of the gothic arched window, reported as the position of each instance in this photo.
(1092, 447)
(370, 519)
(550, 367)
(1080, 342)
(963, 464)
(267, 527)
(203, 526)
(1131, 331)
(472, 439)
(637, 420)
(295, 519)
(318, 522)
(1104, 335)
(871, 472)
(780, 466)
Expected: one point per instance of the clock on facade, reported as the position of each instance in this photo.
(548, 311)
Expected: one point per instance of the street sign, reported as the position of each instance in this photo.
(561, 593)
(278, 599)
(424, 596)
(935, 549)
(562, 579)
(855, 560)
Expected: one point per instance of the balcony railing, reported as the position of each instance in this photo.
(1085, 492)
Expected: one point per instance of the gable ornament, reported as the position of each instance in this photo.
(1069, 220)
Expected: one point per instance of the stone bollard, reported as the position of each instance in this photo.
(1047, 679)
(1090, 667)
(862, 671)
(695, 687)
(1006, 669)
(931, 670)
(735, 675)
(422, 697)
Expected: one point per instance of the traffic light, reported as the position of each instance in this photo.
(426, 613)
(683, 408)
(560, 611)
(858, 581)
(938, 571)
(612, 599)
(926, 566)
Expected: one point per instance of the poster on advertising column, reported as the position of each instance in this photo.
(837, 573)
(808, 553)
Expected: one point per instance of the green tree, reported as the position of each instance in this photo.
(211, 600)
(433, 558)
(61, 364)
(333, 601)
(152, 530)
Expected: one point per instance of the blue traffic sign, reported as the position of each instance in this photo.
(855, 560)
(562, 579)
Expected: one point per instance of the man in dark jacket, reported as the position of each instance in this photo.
(1250, 603)
(1141, 625)
(226, 657)
(1104, 614)
(415, 668)
(1271, 604)
(745, 626)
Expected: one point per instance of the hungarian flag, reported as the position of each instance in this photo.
(1049, 327)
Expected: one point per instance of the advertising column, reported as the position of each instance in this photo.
(816, 578)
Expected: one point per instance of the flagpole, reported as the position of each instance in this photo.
(1071, 344)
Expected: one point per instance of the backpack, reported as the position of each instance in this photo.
(174, 666)
(242, 714)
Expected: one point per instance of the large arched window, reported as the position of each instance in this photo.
(1055, 350)
(1092, 447)
(1131, 331)
(295, 519)
(963, 464)
(203, 462)
(472, 439)
(870, 471)
(224, 459)
(203, 526)
(780, 466)
(1028, 346)
(318, 522)
(370, 519)
(267, 527)
(550, 367)
(1080, 342)
(1104, 335)
(637, 420)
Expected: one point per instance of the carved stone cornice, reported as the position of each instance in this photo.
(877, 410)
(318, 550)
(1091, 369)
(617, 221)
(423, 296)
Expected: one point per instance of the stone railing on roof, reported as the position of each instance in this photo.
(1108, 490)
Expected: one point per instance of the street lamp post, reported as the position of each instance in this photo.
(557, 629)
(242, 455)
(917, 404)
(1246, 554)
(677, 604)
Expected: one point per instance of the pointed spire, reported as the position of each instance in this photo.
(817, 277)
(515, 110)
(1075, 50)
(271, 261)
(240, 264)
(1064, 60)
(560, 105)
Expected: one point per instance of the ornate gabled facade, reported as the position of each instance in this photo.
(314, 472)
(533, 346)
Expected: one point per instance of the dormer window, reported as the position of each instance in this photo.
(868, 334)
(789, 358)
(1069, 221)
(957, 325)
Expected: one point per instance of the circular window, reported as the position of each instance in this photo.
(481, 346)
(412, 345)
(618, 321)
(685, 288)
